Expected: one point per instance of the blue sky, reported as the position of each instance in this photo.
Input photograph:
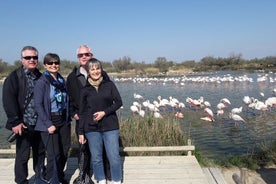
(143, 30)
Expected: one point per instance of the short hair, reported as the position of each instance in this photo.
(85, 46)
(93, 62)
(51, 57)
(28, 48)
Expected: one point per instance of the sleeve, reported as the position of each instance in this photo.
(117, 100)
(10, 101)
(73, 108)
(82, 112)
(39, 97)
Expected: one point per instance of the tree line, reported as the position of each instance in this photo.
(161, 65)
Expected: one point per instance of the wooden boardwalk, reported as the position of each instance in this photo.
(137, 169)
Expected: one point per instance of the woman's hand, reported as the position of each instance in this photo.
(98, 115)
(82, 139)
(76, 117)
(51, 129)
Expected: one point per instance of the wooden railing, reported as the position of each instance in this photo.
(188, 148)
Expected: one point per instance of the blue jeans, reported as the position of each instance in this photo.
(110, 139)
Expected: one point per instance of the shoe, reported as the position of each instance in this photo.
(64, 181)
(102, 182)
(116, 182)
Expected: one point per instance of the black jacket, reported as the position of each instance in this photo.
(74, 85)
(13, 97)
(106, 99)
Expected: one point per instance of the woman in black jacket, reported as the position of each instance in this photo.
(99, 124)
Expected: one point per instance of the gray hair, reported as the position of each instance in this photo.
(29, 48)
(93, 62)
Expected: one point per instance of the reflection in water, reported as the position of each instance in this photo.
(215, 139)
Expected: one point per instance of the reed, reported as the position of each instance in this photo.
(149, 131)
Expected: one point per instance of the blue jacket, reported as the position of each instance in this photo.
(43, 104)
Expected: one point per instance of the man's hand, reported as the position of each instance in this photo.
(19, 128)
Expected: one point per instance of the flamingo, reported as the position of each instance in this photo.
(207, 104)
(261, 106)
(137, 96)
(271, 101)
(247, 100)
(221, 106)
(207, 118)
(193, 102)
(236, 118)
(220, 112)
(157, 115)
(134, 109)
(142, 113)
(225, 101)
(236, 110)
(179, 115)
(210, 115)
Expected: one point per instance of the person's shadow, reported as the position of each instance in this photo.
(71, 168)
(268, 174)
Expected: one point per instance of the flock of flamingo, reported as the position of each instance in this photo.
(140, 107)
(157, 108)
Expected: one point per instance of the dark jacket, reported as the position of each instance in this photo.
(107, 99)
(74, 86)
(43, 104)
(14, 93)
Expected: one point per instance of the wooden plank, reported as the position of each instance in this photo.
(217, 175)
(129, 149)
(136, 169)
(7, 151)
(209, 176)
(162, 169)
(159, 148)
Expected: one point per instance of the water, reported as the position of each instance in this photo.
(215, 139)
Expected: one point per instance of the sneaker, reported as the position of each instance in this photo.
(102, 182)
(116, 182)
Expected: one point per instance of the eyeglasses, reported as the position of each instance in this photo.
(84, 54)
(30, 57)
(53, 62)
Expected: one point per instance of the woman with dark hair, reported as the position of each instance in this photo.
(99, 124)
(53, 122)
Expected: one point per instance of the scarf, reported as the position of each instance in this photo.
(96, 83)
(59, 84)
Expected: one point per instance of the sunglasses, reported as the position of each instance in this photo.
(53, 62)
(30, 57)
(84, 54)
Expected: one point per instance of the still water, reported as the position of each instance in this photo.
(215, 139)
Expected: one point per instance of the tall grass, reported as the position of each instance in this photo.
(149, 131)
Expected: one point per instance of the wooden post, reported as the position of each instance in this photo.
(189, 144)
(243, 175)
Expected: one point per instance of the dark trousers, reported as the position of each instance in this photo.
(57, 146)
(29, 139)
(88, 169)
